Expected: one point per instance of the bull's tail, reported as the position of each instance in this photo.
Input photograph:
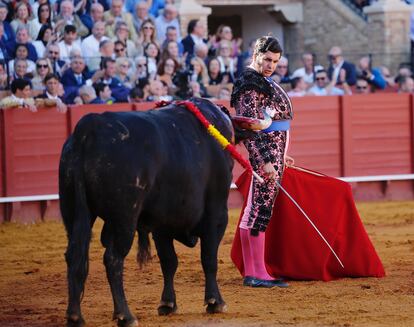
(78, 223)
(144, 248)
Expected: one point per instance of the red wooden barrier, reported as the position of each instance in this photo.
(377, 134)
(339, 136)
(2, 158)
(315, 134)
(33, 142)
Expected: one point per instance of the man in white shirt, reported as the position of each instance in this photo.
(70, 42)
(90, 46)
(168, 18)
(323, 86)
(196, 32)
(20, 97)
(308, 69)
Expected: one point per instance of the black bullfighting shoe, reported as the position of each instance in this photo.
(248, 281)
(255, 282)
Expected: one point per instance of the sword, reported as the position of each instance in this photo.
(311, 222)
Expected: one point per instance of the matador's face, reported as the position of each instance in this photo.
(265, 63)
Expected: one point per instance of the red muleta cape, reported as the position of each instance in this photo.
(293, 248)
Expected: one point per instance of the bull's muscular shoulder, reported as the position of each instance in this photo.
(249, 80)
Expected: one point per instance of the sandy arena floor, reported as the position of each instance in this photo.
(33, 282)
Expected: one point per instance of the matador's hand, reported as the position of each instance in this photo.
(269, 170)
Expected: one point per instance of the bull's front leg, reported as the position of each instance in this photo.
(210, 241)
(169, 263)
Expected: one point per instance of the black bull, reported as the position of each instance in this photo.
(159, 172)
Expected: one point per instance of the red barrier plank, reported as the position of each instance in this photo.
(77, 112)
(315, 134)
(2, 172)
(33, 142)
(378, 136)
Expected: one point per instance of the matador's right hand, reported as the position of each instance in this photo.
(269, 170)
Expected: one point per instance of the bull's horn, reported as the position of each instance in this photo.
(253, 124)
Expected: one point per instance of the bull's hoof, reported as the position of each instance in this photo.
(74, 320)
(167, 308)
(124, 321)
(214, 307)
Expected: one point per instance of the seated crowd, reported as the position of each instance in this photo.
(82, 52)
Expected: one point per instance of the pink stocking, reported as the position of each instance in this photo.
(247, 256)
(257, 248)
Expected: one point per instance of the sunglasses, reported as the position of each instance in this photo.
(42, 66)
(320, 78)
(148, 28)
(119, 49)
(361, 87)
(141, 65)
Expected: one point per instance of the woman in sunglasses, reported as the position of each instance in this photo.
(43, 67)
(147, 33)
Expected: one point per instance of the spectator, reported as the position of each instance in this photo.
(90, 45)
(43, 68)
(87, 95)
(199, 73)
(141, 70)
(172, 35)
(167, 19)
(166, 70)
(106, 48)
(151, 51)
(97, 13)
(195, 89)
(298, 86)
(147, 34)
(70, 41)
(171, 50)
(405, 84)
(123, 72)
(44, 37)
(141, 15)
(121, 34)
(52, 95)
(20, 96)
(44, 14)
(201, 51)
(68, 17)
(104, 93)
(75, 77)
(156, 6)
(362, 86)
(308, 69)
(23, 37)
(9, 34)
(228, 64)
(155, 91)
(20, 70)
(115, 15)
(372, 75)
(4, 83)
(281, 74)
(196, 32)
(215, 75)
(337, 63)
(165, 96)
(323, 86)
(53, 54)
(224, 32)
(22, 18)
(22, 53)
(224, 93)
(119, 91)
(4, 54)
(136, 95)
(390, 80)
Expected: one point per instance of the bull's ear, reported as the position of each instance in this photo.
(253, 124)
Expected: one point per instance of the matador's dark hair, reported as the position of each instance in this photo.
(267, 43)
